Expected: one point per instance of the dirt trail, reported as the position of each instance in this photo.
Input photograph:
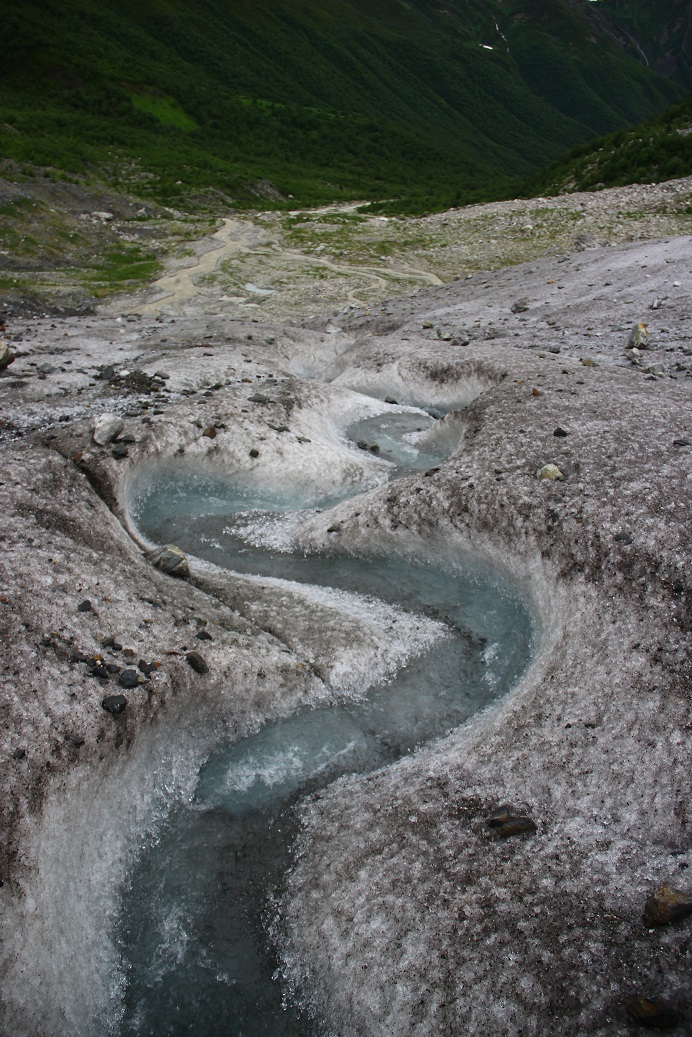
(177, 288)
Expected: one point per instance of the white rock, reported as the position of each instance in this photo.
(550, 472)
(107, 428)
(6, 355)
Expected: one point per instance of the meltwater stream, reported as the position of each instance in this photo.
(194, 922)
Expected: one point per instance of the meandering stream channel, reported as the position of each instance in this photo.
(197, 914)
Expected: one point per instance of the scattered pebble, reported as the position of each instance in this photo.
(84, 606)
(521, 305)
(169, 559)
(204, 635)
(129, 679)
(210, 432)
(254, 452)
(560, 432)
(197, 663)
(551, 472)
(639, 337)
(19, 754)
(76, 740)
(115, 704)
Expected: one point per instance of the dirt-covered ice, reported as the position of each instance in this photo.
(405, 913)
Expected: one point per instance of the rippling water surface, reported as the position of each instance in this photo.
(194, 922)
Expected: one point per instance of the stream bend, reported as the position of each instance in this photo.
(436, 641)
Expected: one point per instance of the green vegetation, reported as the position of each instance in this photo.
(419, 106)
(165, 109)
(119, 269)
(649, 153)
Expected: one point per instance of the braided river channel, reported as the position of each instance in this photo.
(196, 928)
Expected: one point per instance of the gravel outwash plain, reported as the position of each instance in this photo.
(404, 912)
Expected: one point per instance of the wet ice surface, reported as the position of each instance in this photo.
(394, 438)
(195, 920)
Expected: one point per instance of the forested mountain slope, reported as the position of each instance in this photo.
(657, 150)
(355, 97)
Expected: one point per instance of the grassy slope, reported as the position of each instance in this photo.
(326, 100)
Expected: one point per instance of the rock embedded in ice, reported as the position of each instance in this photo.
(119, 451)
(169, 559)
(114, 704)
(506, 824)
(129, 679)
(210, 432)
(551, 472)
(84, 606)
(197, 663)
(498, 817)
(560, 432)
(639, 337)
(667, 905)
(107, 428)
(516, 826)
(655, 1014)
(521, 305)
